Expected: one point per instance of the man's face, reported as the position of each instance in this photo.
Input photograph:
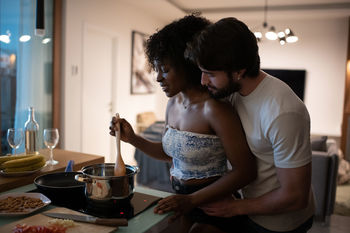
(219, 84)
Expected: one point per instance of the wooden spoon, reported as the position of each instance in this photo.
(119, 167)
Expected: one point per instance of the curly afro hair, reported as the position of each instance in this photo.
(169, 44)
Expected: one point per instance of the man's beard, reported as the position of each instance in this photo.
(231, 88)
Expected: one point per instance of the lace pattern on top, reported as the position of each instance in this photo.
(195, 156)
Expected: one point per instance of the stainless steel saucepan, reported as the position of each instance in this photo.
(102, 185)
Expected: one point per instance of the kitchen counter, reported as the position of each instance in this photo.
(144, 222)
(62, 156)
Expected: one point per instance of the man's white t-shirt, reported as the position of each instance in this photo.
(277, 126)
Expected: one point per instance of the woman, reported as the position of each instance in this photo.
(201, 133)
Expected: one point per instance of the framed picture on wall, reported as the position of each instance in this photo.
(143, 78)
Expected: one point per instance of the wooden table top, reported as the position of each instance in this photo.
(62, 156)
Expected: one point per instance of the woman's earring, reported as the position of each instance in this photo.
(238, 78)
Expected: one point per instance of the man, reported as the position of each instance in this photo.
(277, 127)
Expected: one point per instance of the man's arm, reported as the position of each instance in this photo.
(293, 194)
(289, 135)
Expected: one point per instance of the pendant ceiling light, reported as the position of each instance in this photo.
(286, 36)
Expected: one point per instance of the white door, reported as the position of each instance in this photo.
(99, 52)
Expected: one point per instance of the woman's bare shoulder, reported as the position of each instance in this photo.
(218, 105)
(222, 116)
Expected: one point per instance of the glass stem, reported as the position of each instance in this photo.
(51, 156)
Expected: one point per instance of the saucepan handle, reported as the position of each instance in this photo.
(83, 178)
(137, 169)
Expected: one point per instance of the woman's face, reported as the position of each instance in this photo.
(170, 80)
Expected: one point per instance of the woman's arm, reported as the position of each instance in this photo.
(127, 134)
(227, 126)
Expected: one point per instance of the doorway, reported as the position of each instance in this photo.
(99, 59)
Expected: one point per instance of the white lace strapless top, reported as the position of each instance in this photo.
(195, 156)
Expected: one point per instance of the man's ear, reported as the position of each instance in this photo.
(241, 73)
(237, 75)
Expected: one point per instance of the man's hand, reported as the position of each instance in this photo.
(180, 204)
(222, 208)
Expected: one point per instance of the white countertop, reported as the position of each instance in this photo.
(141, 223)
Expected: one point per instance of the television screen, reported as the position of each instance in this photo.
(294, 78)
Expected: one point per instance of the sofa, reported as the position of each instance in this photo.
(153, 173)
(325, 162)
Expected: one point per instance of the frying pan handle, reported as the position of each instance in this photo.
(83, 178)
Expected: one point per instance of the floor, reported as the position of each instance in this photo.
(338, 224)
(340, 220)
(342, 203)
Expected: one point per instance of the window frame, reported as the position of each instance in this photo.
(57, 72)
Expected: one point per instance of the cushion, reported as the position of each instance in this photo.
(319, 144)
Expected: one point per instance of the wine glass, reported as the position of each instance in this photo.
(51, 137)
(15, 138)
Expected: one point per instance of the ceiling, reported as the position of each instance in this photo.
(253, 5)
(245, 9)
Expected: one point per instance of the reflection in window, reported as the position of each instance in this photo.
(25, 68)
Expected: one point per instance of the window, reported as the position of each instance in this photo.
(26, 67)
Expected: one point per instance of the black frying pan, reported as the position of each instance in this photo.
(62, 188)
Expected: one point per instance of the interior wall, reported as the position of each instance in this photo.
(113, 16)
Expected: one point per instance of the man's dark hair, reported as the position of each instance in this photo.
(169, 44)
(227, 45)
